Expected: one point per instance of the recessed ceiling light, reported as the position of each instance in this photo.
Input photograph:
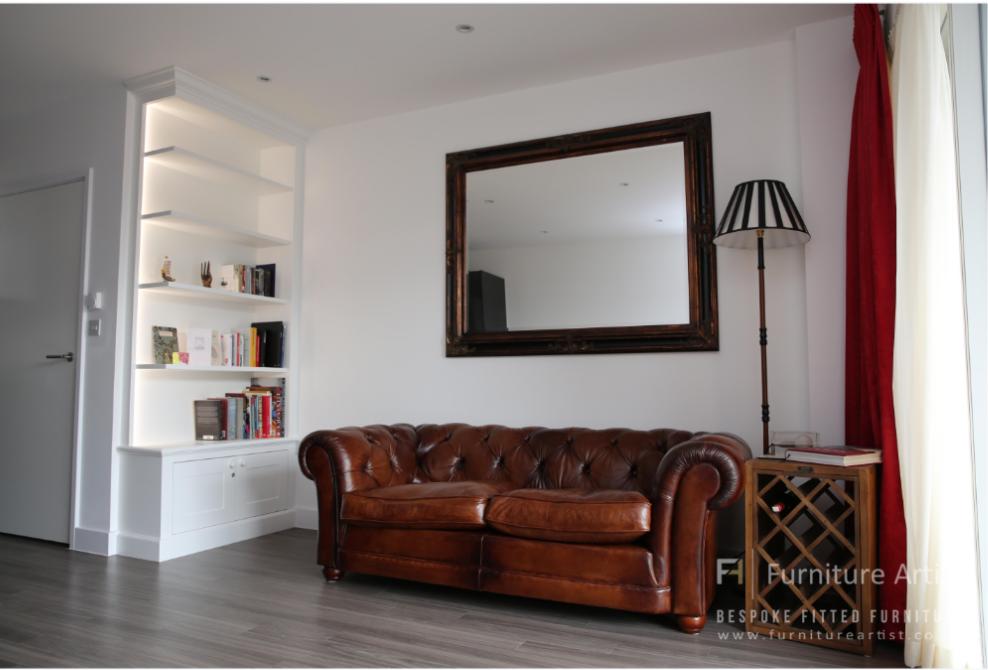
(544, 232)
(658, 220)
(624, 183)
(488, 202)
(263, 78)
(464, 28)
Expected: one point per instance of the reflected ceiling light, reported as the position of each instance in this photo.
(658, 220)
(263, 78)
(544, 232)
(464, 28)
(624, 183)
(488, 202)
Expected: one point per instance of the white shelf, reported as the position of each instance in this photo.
(215, 369)
(216, 124)
(190, 162)
(206, 446)
(202, 293)
(187, 223)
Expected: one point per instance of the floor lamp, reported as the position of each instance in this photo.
(761, 215)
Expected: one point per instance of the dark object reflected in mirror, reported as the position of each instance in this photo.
(487, 308)
(596, 242)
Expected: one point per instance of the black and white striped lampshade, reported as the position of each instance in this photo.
(762, 204)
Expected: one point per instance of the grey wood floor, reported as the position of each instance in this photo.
(264, 603)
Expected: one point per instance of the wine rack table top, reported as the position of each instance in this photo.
(809, 469)
(810, 548)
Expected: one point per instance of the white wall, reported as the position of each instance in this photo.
(52, 144)
(588, 283)
(826, 76)
(373, 277)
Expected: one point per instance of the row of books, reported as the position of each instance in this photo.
(252, 279)
(261, 345)
(255, 413)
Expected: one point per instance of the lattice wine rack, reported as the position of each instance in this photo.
(810, 540)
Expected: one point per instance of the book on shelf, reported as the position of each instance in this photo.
(254, 280)
(210, 419)
(267, 279)
(199, 345)
(164, 343)
(844, 456)
(255, 413)
(270, 343)
(216, 348)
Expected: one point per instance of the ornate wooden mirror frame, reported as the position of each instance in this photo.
(700, 334)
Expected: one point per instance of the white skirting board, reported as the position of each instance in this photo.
(163, 549)
(307, 518)
(93, 541)
(149, 548)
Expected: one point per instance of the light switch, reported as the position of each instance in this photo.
(95, 327)
(94, 301)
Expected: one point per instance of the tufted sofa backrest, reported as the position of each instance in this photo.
(583, 458)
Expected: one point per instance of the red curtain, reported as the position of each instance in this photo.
(869, 418)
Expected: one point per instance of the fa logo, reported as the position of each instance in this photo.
(730, 567)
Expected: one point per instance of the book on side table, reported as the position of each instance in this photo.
(844, 456)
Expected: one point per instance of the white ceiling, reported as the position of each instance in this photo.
(635, 193)
(340, 63)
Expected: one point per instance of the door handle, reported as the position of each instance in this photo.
(68, 358)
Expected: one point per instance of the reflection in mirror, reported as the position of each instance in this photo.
(581, 242)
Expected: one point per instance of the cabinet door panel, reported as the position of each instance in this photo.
(202, 493)
(264, 483)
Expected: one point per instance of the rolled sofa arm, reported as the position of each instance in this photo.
(361, 458)
(694, 480)
(726, 453)
(352, 459)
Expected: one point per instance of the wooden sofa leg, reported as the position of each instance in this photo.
(692, 624)
(332, 574)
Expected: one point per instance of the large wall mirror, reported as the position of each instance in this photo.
(596, 242)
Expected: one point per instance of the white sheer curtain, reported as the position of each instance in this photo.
(929, 382)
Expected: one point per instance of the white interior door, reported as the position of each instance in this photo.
(41, 235)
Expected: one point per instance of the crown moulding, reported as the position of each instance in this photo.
(174, 81)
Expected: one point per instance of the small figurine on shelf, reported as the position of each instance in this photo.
(205, 274)
(166, 269)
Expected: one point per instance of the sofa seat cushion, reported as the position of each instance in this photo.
(571, 515)
(437, 505)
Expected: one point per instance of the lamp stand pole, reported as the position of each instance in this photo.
(763, 340)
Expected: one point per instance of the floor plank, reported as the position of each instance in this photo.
(263, 603)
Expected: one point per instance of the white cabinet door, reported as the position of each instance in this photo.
(204, 493)
(263, 483)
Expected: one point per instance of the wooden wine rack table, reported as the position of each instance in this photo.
(810, 553)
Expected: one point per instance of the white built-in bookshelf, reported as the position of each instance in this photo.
(219, 181)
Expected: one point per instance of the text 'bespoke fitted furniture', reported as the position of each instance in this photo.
(615, 518)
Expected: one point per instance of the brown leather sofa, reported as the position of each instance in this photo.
(615, 518)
